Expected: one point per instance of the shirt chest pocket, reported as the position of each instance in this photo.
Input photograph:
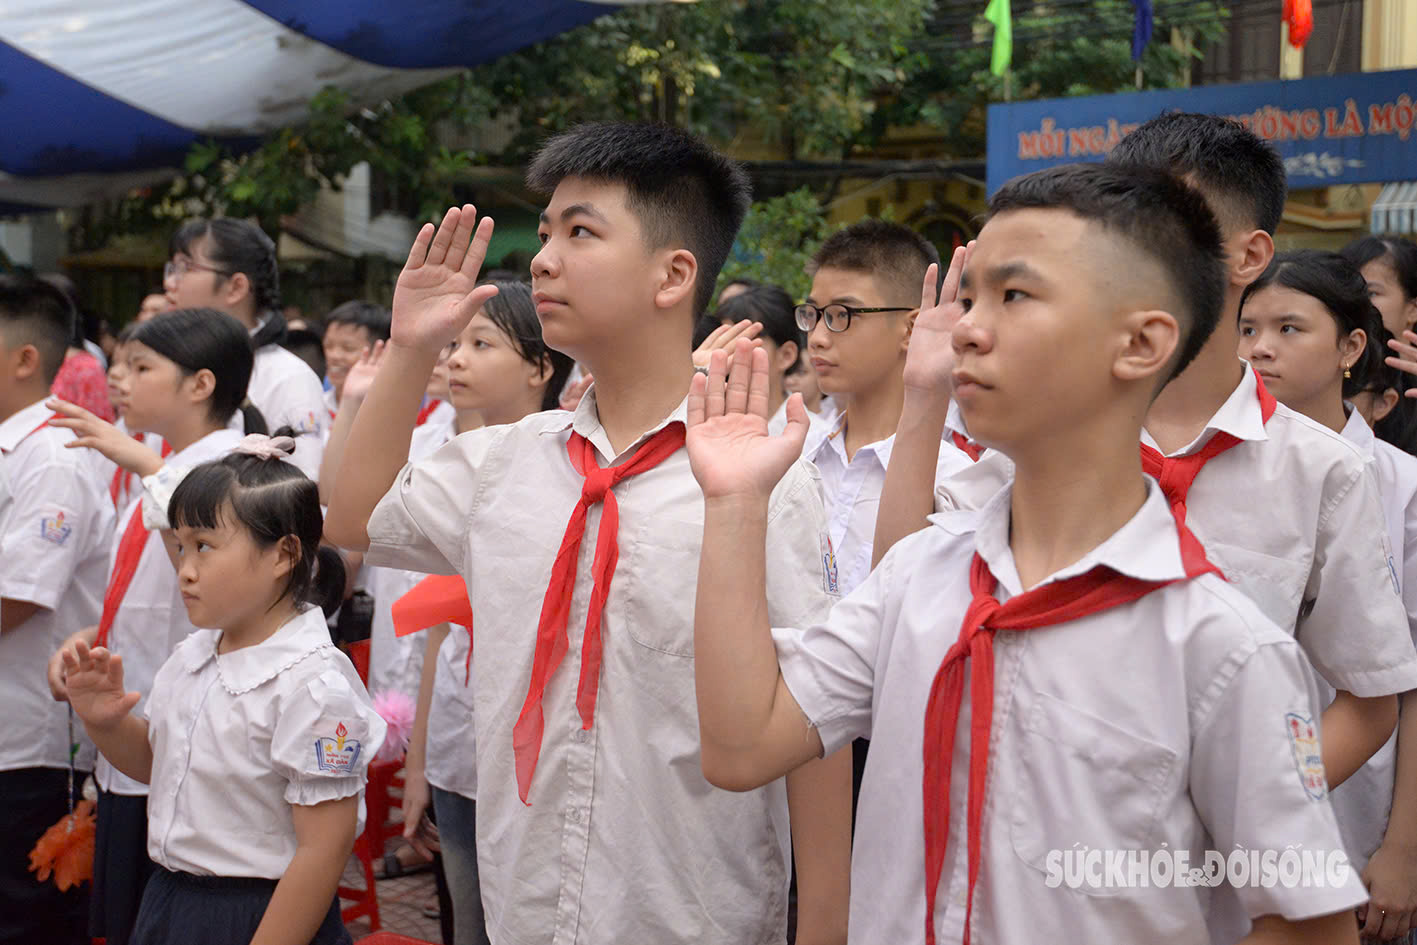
(660, 572)
(1276, 585)
(1085, 782)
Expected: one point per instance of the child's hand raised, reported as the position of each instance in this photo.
(724, 338)
(94, 680)
(730, 450)
(930, 359)
(98, 434)
(360, 376)
(437, 294)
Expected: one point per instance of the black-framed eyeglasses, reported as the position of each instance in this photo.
(837, 316)
(178, 268)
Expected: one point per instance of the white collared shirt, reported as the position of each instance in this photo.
(852, 490)
(55, 523)
(1364, 802)
(1159, 725)
(627, 797)
(151, 619)
(396, 663)
(1291, 515)
(239, 738)
(288, 393)
(450, 761)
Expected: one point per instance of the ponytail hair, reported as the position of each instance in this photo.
(272, 500)
(514, 313)
(240, 246)
(204, 338)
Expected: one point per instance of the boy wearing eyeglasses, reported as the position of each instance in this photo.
(858, 319)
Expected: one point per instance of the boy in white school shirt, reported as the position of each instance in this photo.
(1290, 512)
(595, 824)
(55, 524)
(1121, 696)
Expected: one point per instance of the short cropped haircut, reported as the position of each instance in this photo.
(892, 252)
(1157, 215)
(1222, 158)
(683, 192)
(34, 312)
(375, 319)
(1337, 285)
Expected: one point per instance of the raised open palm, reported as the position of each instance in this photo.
(437, 292)
(930, 359)
(94, 680)
(730, 449)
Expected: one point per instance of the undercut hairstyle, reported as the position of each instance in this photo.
(234, 246)
(204, 338)
(1399, 254)
(1238, 170)
(683, 192)
(514, 314)
(374, 319)
(772, 308)
(1158, 216)
(891, 252)
(271, 499)
(1337, 285)
(34, 312)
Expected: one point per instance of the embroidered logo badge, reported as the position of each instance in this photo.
(338, 753)
(53, 529)
(1304, 741)
(829, 572)
(310, 423)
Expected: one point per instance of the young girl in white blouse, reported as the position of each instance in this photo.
(188, 372)
(257, 733)
(1308, 327)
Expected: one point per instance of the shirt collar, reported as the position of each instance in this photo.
(211, 446)
(1147, 547)
(1357, 431)
(21, 424)
(1239, 416)
(832, 441)
(242, 670)
(586, 421)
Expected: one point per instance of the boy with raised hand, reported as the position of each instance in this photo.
(1287, 509)
(1121, 695)
(595, 824)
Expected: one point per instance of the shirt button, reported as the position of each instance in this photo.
(574, 814)
(581, 735)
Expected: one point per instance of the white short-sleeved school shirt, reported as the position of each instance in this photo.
(151, 619)
(55, 523)
(626, 797)
(288, 393)
(397, 662)
(1162, 725)
(853, 492)
(1364, 802)
(1292, 517)
(451, 758)
(239, 738)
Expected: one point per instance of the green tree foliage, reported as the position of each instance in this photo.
(777, 239)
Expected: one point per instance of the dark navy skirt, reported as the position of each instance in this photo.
(180, 909)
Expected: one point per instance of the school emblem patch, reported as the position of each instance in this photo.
(1304, 742)
(310, 423)
(53, 529)
(338, 753)
(829, 572)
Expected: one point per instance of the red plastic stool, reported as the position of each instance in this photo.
(391, 938)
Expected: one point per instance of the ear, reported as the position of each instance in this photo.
(909, 325)
(288, 553)
(677, 278)
(27, 362)
(1149, 342)
(541, 373)
(1384, 404)
(238, 287)
(787, 355)
(1350, 347)
(1248, 255)
(202, 384)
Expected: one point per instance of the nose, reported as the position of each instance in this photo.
(969, 333)
(543, 264)
(819, 338)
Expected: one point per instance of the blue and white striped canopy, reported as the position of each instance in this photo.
(99, 96)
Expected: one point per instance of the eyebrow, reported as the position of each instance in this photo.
(837, 300)
(1003, 273)
(577, 209)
